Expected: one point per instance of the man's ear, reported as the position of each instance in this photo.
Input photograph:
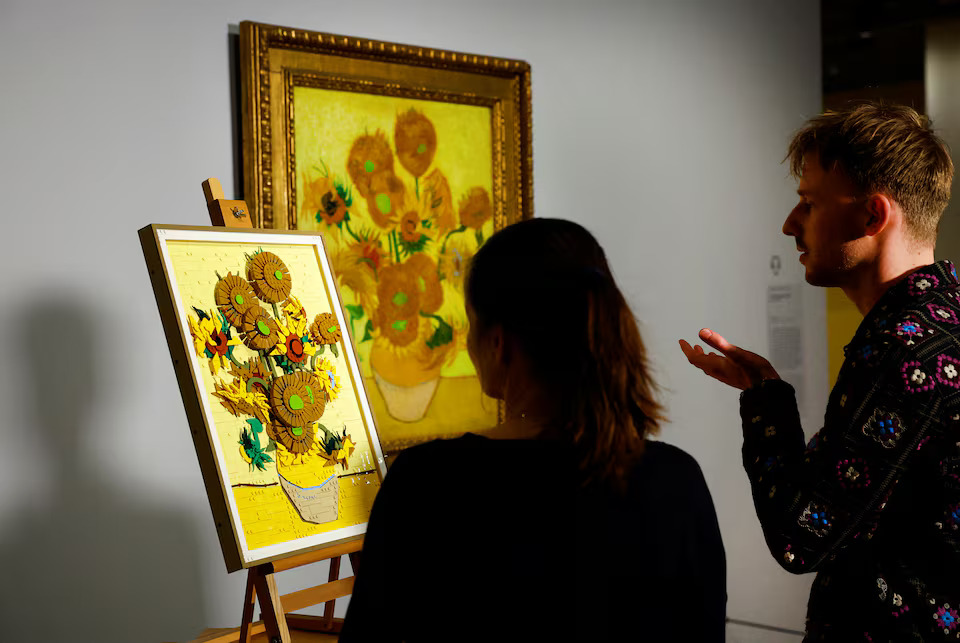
(880, 211)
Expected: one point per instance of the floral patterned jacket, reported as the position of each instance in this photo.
(873, 502)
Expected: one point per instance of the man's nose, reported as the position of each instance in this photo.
(790, 226)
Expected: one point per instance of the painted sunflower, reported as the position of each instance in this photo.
(325, 330)
(295, 439)
(328, 378)
(295, 399)
(410, 226)
(436, 202)
(260, 330)
(475, 208)
(454, 259)
(370, 156)
(269, 277)
(416, 141)
(356, 269)
(387, 197)
(397, 314)
(333, 208)
(234, 297)
(425, 279)
(314, 190)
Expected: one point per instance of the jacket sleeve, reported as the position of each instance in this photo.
(813, 501)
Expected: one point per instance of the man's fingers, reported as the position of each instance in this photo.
(717, 341)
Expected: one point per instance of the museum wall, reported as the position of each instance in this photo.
(659, 125)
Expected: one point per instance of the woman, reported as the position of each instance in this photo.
(575, 528)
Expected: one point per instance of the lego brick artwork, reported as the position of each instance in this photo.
(281, 405)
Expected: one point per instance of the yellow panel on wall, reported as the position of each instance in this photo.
(843, 318)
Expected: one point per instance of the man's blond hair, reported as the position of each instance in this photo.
(888, 149)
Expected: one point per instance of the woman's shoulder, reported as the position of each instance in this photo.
(664, 453)
(668, 467)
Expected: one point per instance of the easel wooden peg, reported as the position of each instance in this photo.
(223, 212)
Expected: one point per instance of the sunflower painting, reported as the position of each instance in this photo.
(401, 190)
(281, 389)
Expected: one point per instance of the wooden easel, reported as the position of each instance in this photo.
(261, 583)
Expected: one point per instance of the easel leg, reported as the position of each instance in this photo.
(271, 611)
(249, 598)
(329, 605)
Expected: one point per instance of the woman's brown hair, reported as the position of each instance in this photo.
(548, 284)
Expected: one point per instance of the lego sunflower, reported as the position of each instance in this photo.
(296, 399)
(295, 439)
(260, 330)
(269, 277)
(234, 298)
(325, 330)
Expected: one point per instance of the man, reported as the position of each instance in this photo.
(872, 504)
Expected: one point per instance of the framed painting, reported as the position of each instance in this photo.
(271, 384)
(405, 159)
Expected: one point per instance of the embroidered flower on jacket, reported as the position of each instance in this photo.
(885, 427)
(900, 608)
(943, 314)
(947, 371)
(946, 617)
(865, 352)
(914, 377)
(953, 517)
(815, 519)
(919, 283)
(789, 557)
(882, 584)
(910, 331)
(853, 473)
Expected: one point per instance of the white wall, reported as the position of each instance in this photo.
(942, 88)
(658, 124)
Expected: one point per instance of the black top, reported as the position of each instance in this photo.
(873, 502)
(494, 540)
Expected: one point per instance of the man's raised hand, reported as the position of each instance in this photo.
(733, 366)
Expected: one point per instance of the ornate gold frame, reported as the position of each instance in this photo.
(273, 60)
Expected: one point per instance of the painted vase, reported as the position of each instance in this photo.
(406, 386)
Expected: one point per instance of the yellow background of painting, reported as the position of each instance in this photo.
(327, 122)
(265, 512)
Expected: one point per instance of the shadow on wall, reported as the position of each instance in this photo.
(90, 561)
